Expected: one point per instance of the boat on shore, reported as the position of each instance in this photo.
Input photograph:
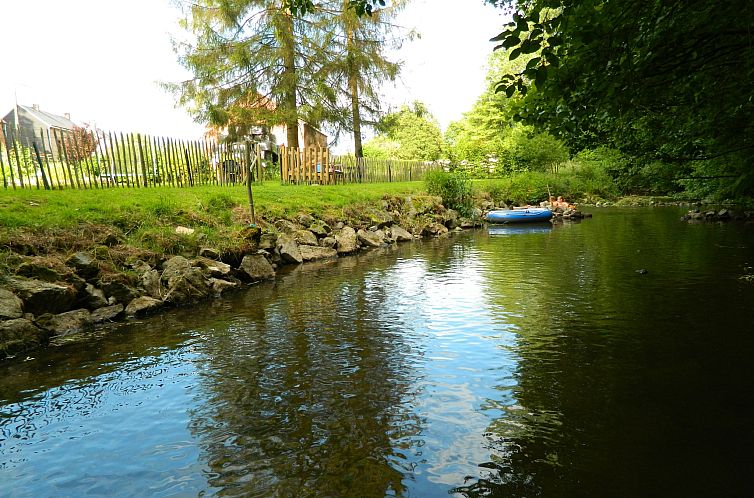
(524, 215)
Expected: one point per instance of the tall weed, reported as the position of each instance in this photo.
(453, 187)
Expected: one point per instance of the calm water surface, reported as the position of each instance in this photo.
(511, 362)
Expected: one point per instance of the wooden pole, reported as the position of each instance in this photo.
(143, 162)
(41, 166)
(73, 177)
(248, 183)
(18, 163)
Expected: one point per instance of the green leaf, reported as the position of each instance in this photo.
(514, 54)
(541, 76)
(511, 41)
(530, 47)
(534, 62)
(510, 91)
(500, 36)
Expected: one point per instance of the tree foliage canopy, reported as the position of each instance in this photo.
(260, 62)
(663, 80)
(487, 140)
(410, 133)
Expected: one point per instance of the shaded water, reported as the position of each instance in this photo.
(511, 362)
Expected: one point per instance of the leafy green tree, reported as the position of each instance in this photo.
(381, 147)
(667, 81)
(357, 62)
(252, 62)
(487, 140)
(414, 130)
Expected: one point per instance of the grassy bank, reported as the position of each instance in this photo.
(46, 222)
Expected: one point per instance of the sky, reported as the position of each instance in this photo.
(102, 61)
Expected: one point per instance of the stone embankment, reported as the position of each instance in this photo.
(717, 215)
(51, 297)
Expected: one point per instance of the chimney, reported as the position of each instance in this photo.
(67, 116)
(35, 107)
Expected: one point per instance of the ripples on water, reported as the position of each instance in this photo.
(513, 363)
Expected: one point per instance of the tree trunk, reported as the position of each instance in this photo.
(353, 87)
(353, 84)
(289, 80)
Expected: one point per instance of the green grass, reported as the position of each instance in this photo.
(40, 209)
(39, 223)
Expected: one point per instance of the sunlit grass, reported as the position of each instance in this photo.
(64, 208)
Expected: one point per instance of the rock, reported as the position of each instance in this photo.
(38, 271)
(174, 266)
(93, 297)
(305, 237)
(151, 281)
(20, 335)
(450, 218)
(213, 268)
(268, 241)
(209, 252)
(142, 306)
(400, 234)
(285, 226)
(466, 223)
(346, 239)
(305, 219)
(257, 268)
(121, 291)
(140, 266)
(369, 239)
(288, 249)
(320, 229)
(107, 314)
(434, 229)
(642, 271)
(43, 297)
(329, 242)
(487, 205)
(310, 253)
(723, 214)
(187, 285)
(66, 323)
(219, 285)
(339, 225)
(84, 265)
(11, 306)
(379, 218)
(184, 230)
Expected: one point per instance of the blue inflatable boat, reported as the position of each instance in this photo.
(527, 215)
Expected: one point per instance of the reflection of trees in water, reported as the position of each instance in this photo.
(614, 369)
(308, 392)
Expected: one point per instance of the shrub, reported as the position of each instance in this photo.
(453, 187)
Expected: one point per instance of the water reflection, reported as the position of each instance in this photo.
(534, 363)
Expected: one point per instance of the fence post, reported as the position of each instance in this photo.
(41, 166)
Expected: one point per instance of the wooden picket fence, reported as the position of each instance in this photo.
(371, 170)
(306, 165)
(54, 160)
(316, 165)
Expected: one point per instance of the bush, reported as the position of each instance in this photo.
(454, 188)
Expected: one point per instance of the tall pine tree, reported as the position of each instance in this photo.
(253, 63)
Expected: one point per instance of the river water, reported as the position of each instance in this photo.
(521, 361)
